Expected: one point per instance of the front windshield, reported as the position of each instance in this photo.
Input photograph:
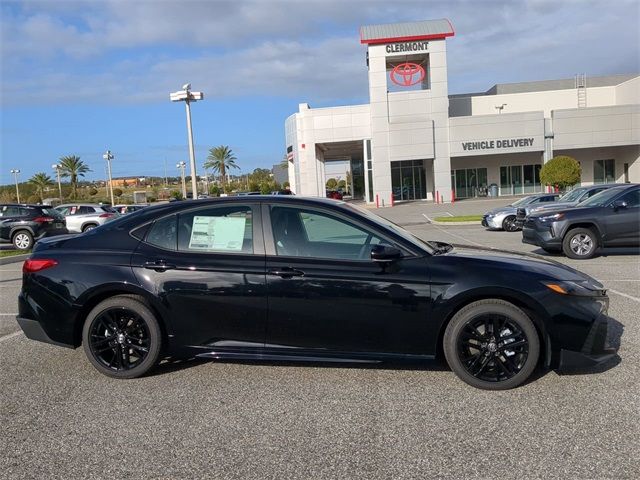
(389, 224)
(572, 196)
(601, 199)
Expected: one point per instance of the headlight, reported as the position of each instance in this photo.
(582, 289)
(551, 218)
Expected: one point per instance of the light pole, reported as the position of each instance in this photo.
(108, 156)
(15, 172)
(57, 167)
(187, 96)
(181, 166)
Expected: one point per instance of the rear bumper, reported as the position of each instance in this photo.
(33, 330)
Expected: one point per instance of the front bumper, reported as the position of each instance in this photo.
(492, 222)
(593, 353)
(542, 235)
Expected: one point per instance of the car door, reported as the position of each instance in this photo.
(622, 223)
(207, 266)
(325, 292)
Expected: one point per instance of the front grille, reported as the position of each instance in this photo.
(530, 223)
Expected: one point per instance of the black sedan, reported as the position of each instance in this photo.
(281, 277)
(610, 218)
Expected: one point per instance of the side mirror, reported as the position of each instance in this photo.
(618, 204)
(385, 253)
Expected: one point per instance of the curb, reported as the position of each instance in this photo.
(455, 223)
(14, 259)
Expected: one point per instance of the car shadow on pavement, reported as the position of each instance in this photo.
(602, 252)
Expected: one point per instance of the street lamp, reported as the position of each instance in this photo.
(187, 96)
(108, 156)
(57, 167)
(15, 172)
(499, 108)
(181, 166)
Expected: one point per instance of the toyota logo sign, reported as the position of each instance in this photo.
(407, 74)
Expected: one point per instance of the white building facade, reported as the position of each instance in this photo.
(414, 141)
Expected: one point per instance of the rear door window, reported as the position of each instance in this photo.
(9, 211)
(223, 229)
(164, 233)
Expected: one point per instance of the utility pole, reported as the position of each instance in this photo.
(57, 167)
(181, 166)
(15, 172)
(108, 156)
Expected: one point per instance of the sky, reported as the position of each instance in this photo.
(81, 77)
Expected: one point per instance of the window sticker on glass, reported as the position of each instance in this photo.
(217, 233)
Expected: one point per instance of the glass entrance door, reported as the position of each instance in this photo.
(408, 180)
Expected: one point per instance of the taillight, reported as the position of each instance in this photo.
(32, 265)
(43, 219)
(106, 215)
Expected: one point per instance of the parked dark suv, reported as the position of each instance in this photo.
(610, 218)
(569, 199)
(22, 225)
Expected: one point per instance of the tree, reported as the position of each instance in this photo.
(561, 171)
(93, 191)
(284, 164)
(332, 184)
(221, 159)
(41, 181)
(117, 192)
(71, 166)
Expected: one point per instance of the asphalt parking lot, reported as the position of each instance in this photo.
(59, 418)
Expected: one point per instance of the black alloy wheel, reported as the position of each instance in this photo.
(492, 344)
(509, 224)
(121, 337)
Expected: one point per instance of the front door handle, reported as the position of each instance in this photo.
(286, 272)
(158, 266)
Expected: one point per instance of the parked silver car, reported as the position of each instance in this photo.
(569, 199)
(504, 218)
(81, 217)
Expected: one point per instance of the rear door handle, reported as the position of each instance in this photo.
(158, 266)
(286, 272)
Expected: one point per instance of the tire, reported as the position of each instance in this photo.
(509, 224)
(22, 240)
(478, 359)
(580, 243)
(121, 337)
(88, 227)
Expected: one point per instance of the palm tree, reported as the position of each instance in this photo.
(71, 166)
(41, 180)
(221, 159)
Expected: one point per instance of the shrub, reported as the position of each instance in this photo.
(561, 171)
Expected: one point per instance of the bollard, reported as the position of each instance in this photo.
(453, 196)
(392, 199)
(377, 202)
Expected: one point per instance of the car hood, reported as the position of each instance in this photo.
(510, 260)
(506, 209)
(554, 206)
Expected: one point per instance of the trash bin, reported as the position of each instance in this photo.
(493, 190)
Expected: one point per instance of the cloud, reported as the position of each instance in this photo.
(128, 52)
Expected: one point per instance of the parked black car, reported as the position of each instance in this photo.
(262, 278)
(610, 218)
(569, 199)
(22, 225)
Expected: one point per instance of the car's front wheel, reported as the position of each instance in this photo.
(491, 344)
(509, 224)
(580, 243)
(121, 337)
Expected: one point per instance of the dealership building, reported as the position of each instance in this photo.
(414, 141)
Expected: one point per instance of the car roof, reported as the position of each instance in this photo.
(81, 204)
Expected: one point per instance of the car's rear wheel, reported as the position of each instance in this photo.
(22, 240)
(509, 224)
(91, 226)
(492, 344)
(580, 243)
(122, 337)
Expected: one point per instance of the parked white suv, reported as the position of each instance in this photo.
(81, 217)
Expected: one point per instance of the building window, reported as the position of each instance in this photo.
(604, 171)
(408, 180)
(519, 179)
(469, 182)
